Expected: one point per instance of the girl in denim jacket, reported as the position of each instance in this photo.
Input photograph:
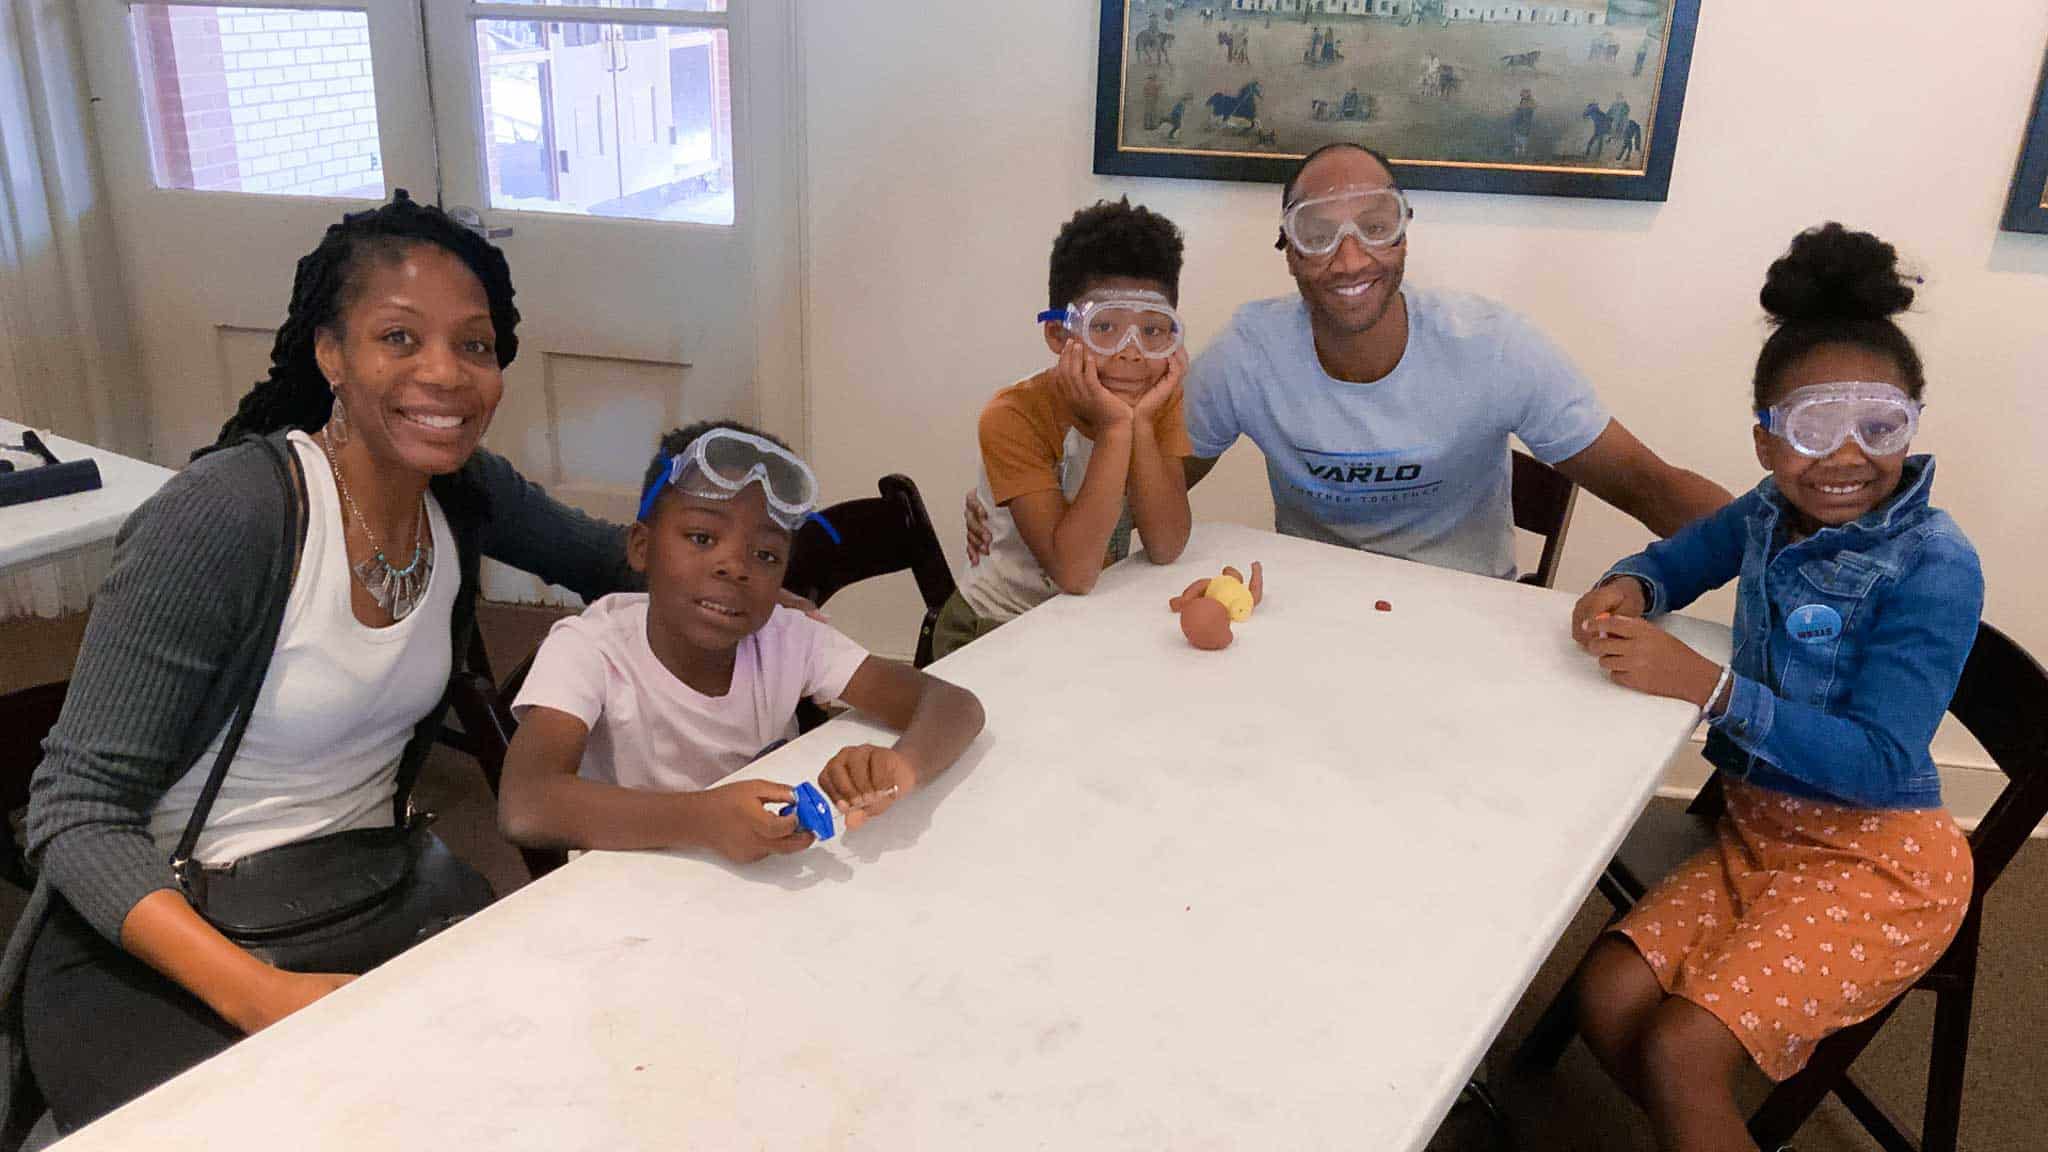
(1838, 878)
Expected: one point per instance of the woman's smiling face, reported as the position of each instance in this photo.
(414, 358)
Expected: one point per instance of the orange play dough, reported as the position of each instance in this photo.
(1206, 624)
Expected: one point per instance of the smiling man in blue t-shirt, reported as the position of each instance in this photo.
(1384, 411)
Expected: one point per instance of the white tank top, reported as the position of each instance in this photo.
(337, 706)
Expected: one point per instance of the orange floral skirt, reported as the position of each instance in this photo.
(1805, 918)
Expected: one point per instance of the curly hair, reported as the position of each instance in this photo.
(296, 394)
(1835, 286)
(1114, 238)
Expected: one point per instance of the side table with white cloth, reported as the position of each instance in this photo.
(38, 536)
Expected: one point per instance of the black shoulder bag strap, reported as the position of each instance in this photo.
(255, 655)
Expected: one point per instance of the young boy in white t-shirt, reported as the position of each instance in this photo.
(635, 709)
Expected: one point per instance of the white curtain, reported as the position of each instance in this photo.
(66, 361)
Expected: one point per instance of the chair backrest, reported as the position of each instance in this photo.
(487, 727)
(2002, 699)
(30, 713)
(1543, 500)
(876, 536)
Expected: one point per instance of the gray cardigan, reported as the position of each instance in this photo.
(158, 673)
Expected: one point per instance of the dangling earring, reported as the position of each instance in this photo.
(337, 424)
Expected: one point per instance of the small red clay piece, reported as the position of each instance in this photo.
(1382, 606)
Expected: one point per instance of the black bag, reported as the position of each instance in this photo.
(344, 902)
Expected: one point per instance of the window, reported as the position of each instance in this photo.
(625, 119)
(268, 100)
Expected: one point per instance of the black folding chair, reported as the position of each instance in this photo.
(26, 716)
(874, 537)
(1543, 500)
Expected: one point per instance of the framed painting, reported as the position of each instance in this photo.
(1540, 97)
(2026, 207)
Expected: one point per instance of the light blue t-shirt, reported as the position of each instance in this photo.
(1414, 464)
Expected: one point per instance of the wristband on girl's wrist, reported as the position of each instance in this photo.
(1720, 685)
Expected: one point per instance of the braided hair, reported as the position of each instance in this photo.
(296, 394)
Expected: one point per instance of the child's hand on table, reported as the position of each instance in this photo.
(735, 821)
(863, 780)
(1637, 654)
(1621, 596)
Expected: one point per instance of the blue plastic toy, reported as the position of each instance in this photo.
(813, 811)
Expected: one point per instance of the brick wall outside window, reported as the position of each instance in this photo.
(256, 100)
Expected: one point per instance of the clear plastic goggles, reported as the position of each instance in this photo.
(1377, 216)
(721, 463)
(1818, 419)
(1109, 325)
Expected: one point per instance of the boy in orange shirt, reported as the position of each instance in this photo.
(1073, 457)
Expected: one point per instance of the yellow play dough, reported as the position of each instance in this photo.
(1230, 592)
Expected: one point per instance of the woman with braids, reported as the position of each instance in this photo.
(364, 439)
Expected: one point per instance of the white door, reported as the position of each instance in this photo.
(636, 156)
(634, 160)
(231, 137)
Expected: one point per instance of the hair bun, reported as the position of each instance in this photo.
(1831, 273)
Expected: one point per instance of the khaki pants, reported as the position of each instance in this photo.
(957, 626)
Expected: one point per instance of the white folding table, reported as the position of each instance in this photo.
(1278, 896)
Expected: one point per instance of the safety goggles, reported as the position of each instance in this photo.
(1109, 325)
(1378, 217)
(1817, 419)
(721, 463)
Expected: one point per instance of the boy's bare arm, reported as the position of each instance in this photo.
(1159, 499)
(1069, 540)
(544, 803)
(1159, 492)
(938, 721)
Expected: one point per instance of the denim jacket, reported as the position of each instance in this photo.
(1848, 644)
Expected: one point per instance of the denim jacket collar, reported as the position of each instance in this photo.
(1915, 479)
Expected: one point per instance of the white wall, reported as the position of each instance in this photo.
(947, 142)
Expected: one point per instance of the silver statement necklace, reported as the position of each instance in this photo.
(396, 590)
